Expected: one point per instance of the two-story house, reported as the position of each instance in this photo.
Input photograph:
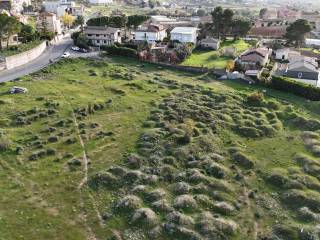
(254, 59)
(184, 34)
(151, 33)
(103, 35)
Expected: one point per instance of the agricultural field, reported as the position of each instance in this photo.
(214, 59)
(113, 149)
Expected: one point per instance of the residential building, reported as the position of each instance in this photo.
(254, 59)
(50, 22)
(63, 6)
(285, 54)
(313, 43)
(100, 2)
(303, 68)
(151, 33)
(184, 34)
(211, 43)
(103, 35)
(14, 6)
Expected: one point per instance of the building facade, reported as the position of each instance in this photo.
(151, 33)
(184, 34)
(103, 35)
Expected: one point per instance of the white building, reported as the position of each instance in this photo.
(151, 33)
(184, 34)
(100, 2)
(103, 35)
(61, 7)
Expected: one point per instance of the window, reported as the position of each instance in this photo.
(97, 35)
(98, 41)
(104, 41)
(89, 35)
(300, 75)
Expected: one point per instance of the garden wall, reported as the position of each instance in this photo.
(25, 57)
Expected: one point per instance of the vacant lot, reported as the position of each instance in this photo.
(213, 59)
(115, 150)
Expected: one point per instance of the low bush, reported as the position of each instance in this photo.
(121, 51)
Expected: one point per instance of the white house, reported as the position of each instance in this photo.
(285, 54)
(151, 33)
(62, 6)
(211, 43)
(100, 2)
(103, 35)
(184, 34)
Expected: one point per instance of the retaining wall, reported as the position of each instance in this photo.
(25, 57)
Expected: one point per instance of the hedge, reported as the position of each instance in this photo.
(301, 89)
(121, 51)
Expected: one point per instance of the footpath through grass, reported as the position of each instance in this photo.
(176, 141)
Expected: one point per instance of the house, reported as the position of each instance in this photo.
(313, 43)
(61, 7)
(284, 54)
(151, 33)
(254, 59)
(103, 35)
(184, 34)
(211, 43)
(304, 69)
(100, 2)
(50, 22)
(14, 6)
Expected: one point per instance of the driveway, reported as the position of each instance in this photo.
(53, 52)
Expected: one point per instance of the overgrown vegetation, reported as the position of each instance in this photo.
(168, 155)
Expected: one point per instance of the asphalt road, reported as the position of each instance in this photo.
(53, 52)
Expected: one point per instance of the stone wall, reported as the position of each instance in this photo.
(25, 57)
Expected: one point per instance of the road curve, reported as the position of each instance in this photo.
(53, 52)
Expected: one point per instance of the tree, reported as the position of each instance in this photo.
(263, 12)
(297, 31)
(201, 12)
(79, 21)
(183, 50)
(136, 20)
(67, 20)
(4, 18)
(27, 33)
(14, 27)
(240, 27)
(222, 21)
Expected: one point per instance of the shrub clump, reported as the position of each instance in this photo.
(186, 202)
(145, 217)
(129, 203)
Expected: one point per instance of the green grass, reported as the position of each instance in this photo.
(12, 50)
(40, 199)
(211, 59)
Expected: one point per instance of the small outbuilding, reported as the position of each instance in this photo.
(210, 43)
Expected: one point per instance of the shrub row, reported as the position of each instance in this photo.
(121, 51)
(297, 88)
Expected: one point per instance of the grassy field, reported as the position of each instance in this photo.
(212, 59)
(12, 50)
(153, 140)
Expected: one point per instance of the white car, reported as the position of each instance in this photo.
(75, 48)
(65, 55)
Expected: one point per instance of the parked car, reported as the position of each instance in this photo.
(75, 48)
(83, 50)
(65, 55)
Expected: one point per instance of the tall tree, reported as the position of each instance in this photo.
(240, 27)
(222, 21)
(80, 21)
(263, 12)
(297, 31)
(136, 20)
(13, 27)
(4, 18)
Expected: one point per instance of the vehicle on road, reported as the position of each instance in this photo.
(65, 55)
(75, 48)
(83, 50)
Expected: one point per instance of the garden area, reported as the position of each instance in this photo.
(216, 59)
(16, 49)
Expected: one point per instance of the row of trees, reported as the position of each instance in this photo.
(225, 23)
(118, 21)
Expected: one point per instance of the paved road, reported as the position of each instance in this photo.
(53, 52)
